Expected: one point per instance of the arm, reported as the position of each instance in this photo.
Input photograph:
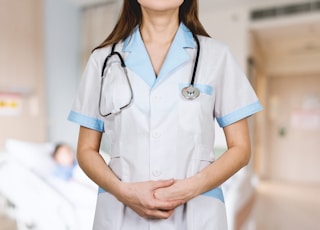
(138, 196)
(236, 157)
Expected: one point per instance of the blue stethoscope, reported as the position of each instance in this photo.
(189, 92)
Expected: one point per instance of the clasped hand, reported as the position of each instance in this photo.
(154, 199)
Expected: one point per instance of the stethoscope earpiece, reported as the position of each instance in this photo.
(190, 92)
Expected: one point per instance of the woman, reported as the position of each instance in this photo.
(65, 161)
(162, 172)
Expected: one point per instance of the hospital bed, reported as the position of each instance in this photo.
(39, 200)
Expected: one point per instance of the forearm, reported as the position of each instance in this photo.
(98, 171)
(219, 171)
(236, 157)
(92, 162)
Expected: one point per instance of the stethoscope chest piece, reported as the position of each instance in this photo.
(190, 92)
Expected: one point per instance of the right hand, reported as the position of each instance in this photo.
(140, 197)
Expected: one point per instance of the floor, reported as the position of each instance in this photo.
(6, 223)
(285, 206)
(278, 206)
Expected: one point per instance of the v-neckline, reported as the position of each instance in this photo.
(137, 58)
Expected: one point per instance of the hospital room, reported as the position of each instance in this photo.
(45, 46)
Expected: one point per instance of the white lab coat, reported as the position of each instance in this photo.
(162, 135)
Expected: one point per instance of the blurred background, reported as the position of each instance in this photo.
(44, 45)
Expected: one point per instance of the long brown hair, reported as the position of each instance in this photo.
(131, 16)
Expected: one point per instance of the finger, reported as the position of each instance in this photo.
(167, 205)
(163, 183)
(159, 214)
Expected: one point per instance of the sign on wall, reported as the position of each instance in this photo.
(10, 104)
(308, 116)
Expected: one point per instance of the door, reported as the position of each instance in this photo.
(293, 133)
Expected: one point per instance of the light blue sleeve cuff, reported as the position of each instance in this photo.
(86, 121)
(239, 114)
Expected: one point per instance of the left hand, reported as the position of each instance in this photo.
(139, 196)
(181, 190)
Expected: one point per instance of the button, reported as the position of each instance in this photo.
(156, 98)
(156, 172)
(156, 134)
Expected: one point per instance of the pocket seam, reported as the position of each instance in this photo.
(204, 88)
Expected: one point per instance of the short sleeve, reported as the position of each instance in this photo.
(85, 108)
(235, 98)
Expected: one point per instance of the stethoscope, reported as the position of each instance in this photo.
(189, 92)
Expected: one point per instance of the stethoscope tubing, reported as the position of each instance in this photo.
(195, 67)
(103, 75)
(190, 92)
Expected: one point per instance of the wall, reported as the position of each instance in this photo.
(98, 22)
(293, 130)
(21, 71)
(259, 81)
(229, 26)
(40, 60)
(232, 25)
(63, 68)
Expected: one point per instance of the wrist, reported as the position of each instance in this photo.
(121, 191)
(191, 188)
(198, 183)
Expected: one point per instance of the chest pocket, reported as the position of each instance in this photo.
(194, 113)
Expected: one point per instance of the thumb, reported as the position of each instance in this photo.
(163, 183)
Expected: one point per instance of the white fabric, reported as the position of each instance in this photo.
(162, 135)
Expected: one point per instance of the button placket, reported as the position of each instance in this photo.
(155, 136)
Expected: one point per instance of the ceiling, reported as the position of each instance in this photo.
(289, 49)
(290, 40)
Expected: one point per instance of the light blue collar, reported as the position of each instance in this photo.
(139, 62)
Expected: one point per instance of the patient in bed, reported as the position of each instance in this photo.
(65, 161)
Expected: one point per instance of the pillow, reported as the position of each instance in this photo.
(34, 155)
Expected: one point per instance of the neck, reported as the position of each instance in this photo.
(159, 27)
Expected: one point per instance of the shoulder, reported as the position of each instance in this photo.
(216, 51)
(98, 55)
(213, 45)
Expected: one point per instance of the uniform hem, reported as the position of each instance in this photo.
(215, 193)
(88, 122)
(239, 114)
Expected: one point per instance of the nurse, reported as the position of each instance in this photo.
(162, 172)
